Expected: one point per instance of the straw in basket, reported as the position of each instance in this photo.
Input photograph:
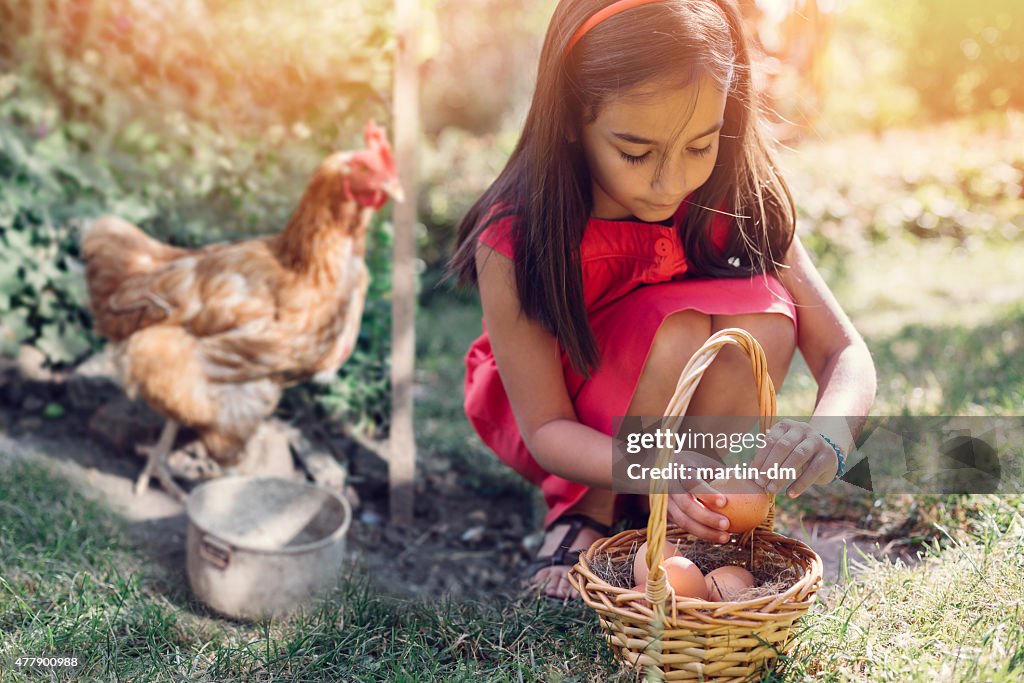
(675, 638)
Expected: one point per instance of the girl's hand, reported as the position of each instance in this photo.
(795, 445)
(688, 513)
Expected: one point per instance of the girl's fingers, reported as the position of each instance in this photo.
(701, 487)
(797, 461)
(771, 437)
(831, 467)
(693, 517)
(778, 452)
(819, 465)
(690, 525)
(703, 515)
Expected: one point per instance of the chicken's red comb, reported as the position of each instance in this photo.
(377, 141)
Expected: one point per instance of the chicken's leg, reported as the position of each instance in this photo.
(156, 463)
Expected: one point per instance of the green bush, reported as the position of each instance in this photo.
(42, 187)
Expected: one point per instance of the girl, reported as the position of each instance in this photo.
(640, 212)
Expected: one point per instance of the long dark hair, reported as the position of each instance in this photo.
(547, 185)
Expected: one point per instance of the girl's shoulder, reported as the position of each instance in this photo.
(498, 230)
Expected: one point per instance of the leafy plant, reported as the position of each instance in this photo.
(42, 186)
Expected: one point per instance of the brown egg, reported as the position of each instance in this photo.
(640, 568)
(685, 578)
(747, 504)
(725, 583)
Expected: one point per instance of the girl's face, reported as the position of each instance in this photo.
(650, 148)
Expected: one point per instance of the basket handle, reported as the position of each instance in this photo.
(657, 524)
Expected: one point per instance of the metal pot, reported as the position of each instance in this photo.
(261, 547)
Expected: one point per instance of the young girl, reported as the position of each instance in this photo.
(640, 213)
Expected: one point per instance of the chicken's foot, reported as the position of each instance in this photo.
(156, 463)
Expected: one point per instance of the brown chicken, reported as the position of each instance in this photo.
(209, 337)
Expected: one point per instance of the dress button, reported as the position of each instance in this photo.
(663, 246)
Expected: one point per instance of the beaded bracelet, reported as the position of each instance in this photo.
(839, 454)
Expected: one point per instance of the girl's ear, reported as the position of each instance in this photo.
(574, 133)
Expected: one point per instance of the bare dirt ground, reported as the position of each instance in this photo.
(460, 542)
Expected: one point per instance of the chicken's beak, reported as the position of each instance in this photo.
(394, 190)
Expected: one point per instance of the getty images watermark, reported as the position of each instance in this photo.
(688, 441)
(892, 454)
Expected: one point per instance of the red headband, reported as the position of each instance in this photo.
(599, 16)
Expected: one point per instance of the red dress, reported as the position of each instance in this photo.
(634, 276)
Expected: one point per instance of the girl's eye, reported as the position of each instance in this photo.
(703, 151)
(630, 159)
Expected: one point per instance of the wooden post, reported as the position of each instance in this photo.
(402, 444)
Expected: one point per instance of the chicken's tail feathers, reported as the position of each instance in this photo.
(109, 240)
(115, 254)
(99, 233)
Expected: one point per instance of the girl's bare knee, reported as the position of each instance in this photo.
(727, 387)
(773, 331)
(678, 337)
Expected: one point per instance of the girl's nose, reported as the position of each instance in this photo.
(671, 179)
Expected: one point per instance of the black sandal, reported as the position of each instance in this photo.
(562, 555)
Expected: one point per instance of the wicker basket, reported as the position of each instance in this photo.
(685, 639)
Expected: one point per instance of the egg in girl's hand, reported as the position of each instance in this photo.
(640, 569)
(747, 503)
(685, 578)
(725, 583)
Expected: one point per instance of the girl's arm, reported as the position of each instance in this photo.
(840, 362)
(530, 366)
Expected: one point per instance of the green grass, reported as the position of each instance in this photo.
(72, 584)
(956, 615)
(944, 326)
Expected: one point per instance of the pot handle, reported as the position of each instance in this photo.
(215, 551)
